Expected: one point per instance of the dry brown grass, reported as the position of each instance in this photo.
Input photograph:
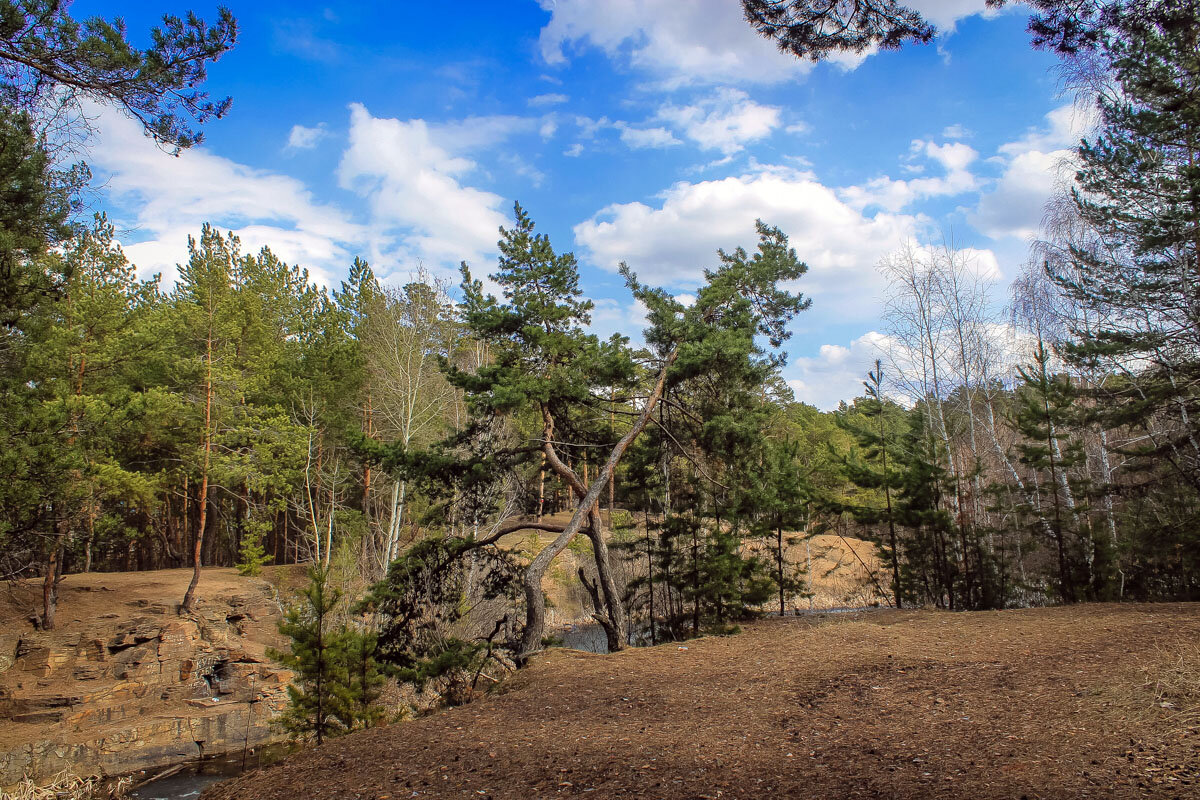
(66, 786)
(1173, 685)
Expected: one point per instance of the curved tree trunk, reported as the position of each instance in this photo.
(535, 600)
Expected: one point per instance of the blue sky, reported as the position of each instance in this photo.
(650, 131)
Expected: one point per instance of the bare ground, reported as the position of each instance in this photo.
(1040, 703)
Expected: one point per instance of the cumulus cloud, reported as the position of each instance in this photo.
(955, 159)
(837, 371)
(672, 242)
(304, 138)
(415, 185)
(626, 317)
(726, 121)
(1016, 205)
(1034, 165)
(697, 41)
(161, 199)
(945, 14)
(1064, 127)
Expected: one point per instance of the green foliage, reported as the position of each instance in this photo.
(868, 468)
(336, 684)
(317, 694)
(426, 633)
(364, 681)
(53, 61)
(251, 555)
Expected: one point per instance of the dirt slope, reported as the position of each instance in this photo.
(1046, 703)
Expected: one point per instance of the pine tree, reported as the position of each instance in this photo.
(251, 554)
(319, 697)
(871, 471)
(205, 299)
(779, 502)
(1044, 417)
(364, 680)
(1138, 191)
(541, 358)
(932, 570)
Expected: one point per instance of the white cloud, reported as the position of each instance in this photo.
(1064, 127)
(955, 158)
(541, 100)
(414, 185)
(588, 127)
(956, 132)
(162, 199)
(672, 243)
(640, 138)
(304, 138)
(475, 133)
(726, 121)
(1034, 165)
(837, 372)
(945, 14)
(574, 151)
(696, 41)
(628, 318)
(1016, 205)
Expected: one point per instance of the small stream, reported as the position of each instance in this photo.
(195, 776)
(590, 637)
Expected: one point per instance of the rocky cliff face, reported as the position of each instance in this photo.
(127, 684)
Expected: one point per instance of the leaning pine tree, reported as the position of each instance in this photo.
(542, 358)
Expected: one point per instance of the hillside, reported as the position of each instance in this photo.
(1059, 702)
(839, 570)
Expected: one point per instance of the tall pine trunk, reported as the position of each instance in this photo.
(189, 598)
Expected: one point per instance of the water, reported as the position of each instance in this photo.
(590, 637)
(587, 636)
(196, 776)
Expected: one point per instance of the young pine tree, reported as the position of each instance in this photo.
(781, 497)
(877, 470)
(319, 698)
(1043, 415)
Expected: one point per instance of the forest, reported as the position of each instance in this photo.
(429, 448)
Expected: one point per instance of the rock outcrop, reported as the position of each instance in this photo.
(137, 686)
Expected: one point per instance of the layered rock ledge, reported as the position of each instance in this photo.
(125, 683)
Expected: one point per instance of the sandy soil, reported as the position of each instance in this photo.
(1040, 703)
